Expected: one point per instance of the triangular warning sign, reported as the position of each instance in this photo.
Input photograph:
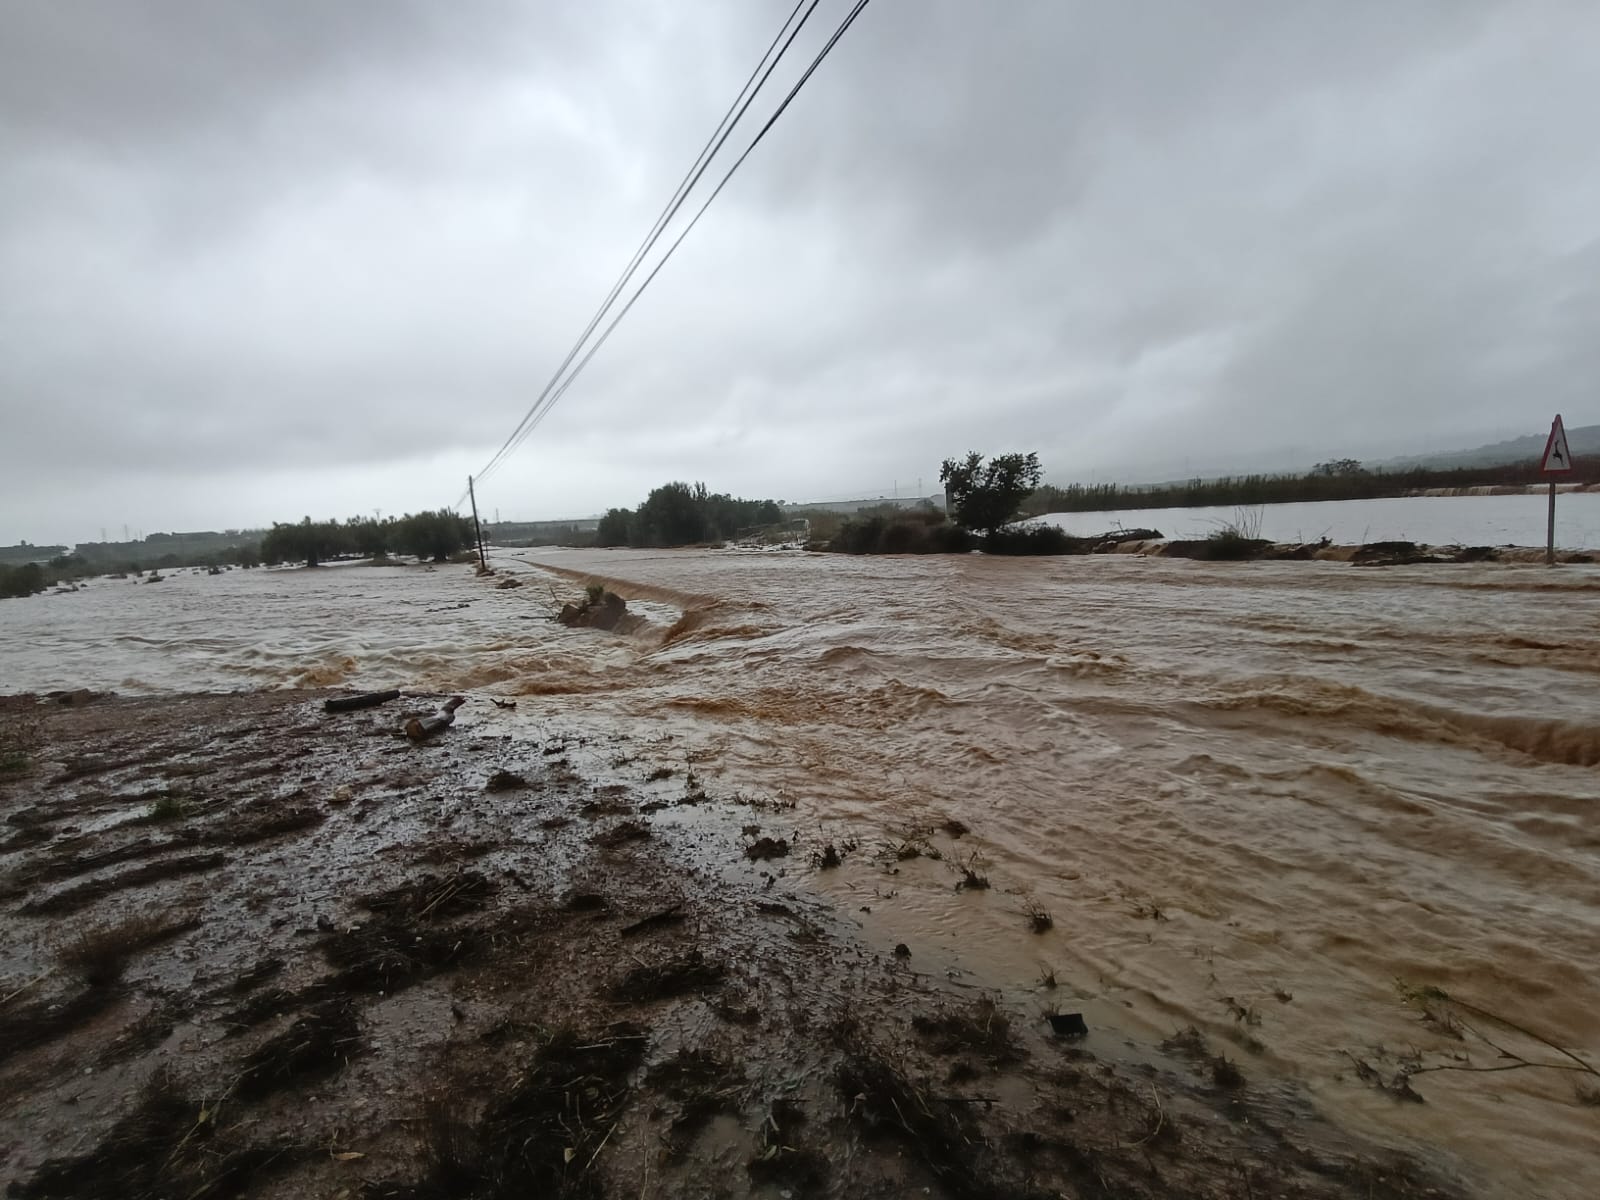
(1557, 459)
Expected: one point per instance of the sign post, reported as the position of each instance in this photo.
(1557, 460)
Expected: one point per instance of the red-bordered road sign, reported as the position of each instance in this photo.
(1557, 458)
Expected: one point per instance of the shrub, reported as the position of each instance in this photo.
(1034, 539)
(904, 533)
(22, 581)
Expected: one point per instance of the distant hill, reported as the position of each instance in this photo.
(1582, 440)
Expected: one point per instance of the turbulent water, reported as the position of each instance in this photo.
(1433, 520)
(1253, 796)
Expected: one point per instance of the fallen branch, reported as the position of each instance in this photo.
(365, 700)
(419, 729)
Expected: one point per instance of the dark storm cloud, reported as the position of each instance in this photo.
(264, 259)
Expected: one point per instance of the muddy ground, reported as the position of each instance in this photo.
(255, 949)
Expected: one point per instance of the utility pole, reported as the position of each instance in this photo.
(477, 529)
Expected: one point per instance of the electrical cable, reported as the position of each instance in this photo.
(543, 406)
(719, 136)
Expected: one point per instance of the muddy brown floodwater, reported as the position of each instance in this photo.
(1267, 801)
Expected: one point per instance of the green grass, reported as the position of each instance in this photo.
(169, 807)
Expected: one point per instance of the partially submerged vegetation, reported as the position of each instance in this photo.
(986, 499)
(427, 535)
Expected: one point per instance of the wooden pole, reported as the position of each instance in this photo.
(478, 529)
(1550, 530)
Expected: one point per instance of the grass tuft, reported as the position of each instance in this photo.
(1225, 1074)
(971, 879)
(1039, 918)
(98, 954)
(167, 807)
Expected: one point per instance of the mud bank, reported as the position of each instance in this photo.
(256, 949)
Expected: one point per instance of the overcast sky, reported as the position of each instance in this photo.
(263, 260)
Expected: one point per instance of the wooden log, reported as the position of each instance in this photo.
(419, 729)
(365, 700)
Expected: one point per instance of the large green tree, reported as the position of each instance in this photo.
(985, 496)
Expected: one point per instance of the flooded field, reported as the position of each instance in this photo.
(1253, 798)
(1431, 520)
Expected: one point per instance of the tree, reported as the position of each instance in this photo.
(310, 541)
(1341, 468)
(616, 527)
(986, 496)
(369, 536)
(436, 535)
(672, 515)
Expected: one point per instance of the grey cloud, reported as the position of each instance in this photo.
(284, 244)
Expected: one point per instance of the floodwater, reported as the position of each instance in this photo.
(1431, 520)
(1253, 796)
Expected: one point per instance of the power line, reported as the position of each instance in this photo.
(542, 407)
(736, 110)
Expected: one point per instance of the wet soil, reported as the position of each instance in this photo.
(403, 978)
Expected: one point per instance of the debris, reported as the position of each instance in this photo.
(318, 1043)
(365, 700)
(827, 859)
(600, 609)
(902, 951)
(78, 697)
(979, 1028)
(506, 583)
(621, 834)
(505, 781)
(1068, 1024)
(499, 703)
(421, 728)
(767, 848)
(433, 897)
(691, 973)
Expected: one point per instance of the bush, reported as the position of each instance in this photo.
(1229, 545)
(22, 581)
(903, 533)
(1034, 539)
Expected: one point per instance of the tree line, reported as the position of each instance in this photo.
(677, 514)
(1342, 479)
(435, 535)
